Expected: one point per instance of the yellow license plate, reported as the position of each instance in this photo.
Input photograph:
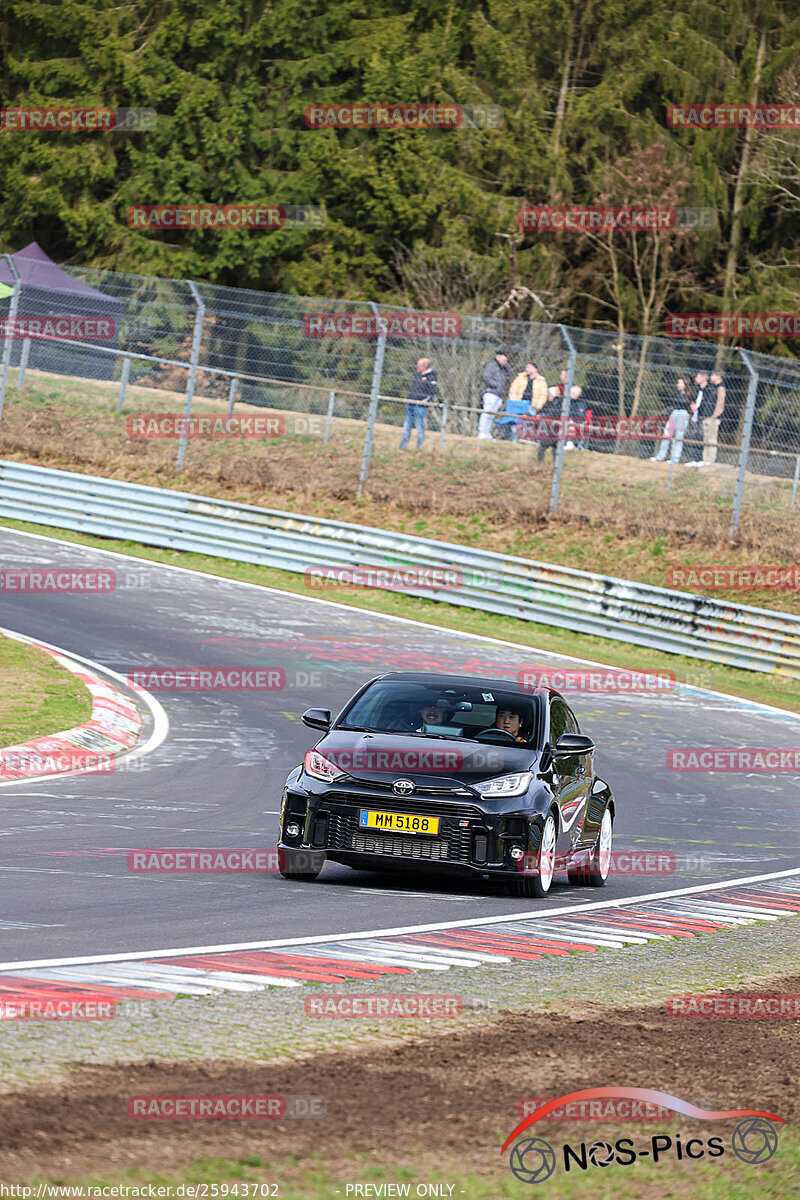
(398, 822)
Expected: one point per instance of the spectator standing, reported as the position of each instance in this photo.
(549, 414)
(420, 394)
(496, 376)
(577, 413)
(678, 423)
(702, 408)
(711, 423)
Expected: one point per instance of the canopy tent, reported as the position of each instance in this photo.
(48, 290)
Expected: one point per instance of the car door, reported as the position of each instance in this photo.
(572, 776)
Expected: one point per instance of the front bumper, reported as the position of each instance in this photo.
(470, 839)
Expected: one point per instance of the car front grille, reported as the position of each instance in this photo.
(400, 847)
(343, 833)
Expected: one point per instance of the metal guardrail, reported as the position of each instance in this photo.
(680, 623)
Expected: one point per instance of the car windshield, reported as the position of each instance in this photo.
(427, 710)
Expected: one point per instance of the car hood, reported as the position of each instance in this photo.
(382, 758)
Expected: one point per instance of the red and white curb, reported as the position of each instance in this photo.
(521, 937)
(112, 729)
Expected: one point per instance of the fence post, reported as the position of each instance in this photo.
(565, 403)
(123, 382)
(232, 394)
(747, 430)
(796, 481)
(671, 472)
(23, 362)
(12, 312)
(331, 402)
(377, 375)
(187, 408)
(443, 426)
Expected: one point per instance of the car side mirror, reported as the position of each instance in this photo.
(317, 718)
(573, 743)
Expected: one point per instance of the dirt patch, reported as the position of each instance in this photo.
(456, 1092)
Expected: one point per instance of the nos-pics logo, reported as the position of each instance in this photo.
(533, 1159)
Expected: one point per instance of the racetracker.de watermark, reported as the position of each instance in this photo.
(621, 862)
(209, 679)
(226, 1108)
(383, 1006)
(756, 1006)
(596, 219)
(28, 579)
(77, 120)
(201, 862)
(62, 327)
(607, 1109)
(15, 763)
(617, 429)
(164, 425)
(738, 325)
(734, 759)
(226, 216)
(581, 218)
(600, 679)
(388, 324)
(733, 116)
(403, 116)
(744, 579)
(393, 579)
(55, 1006)
(433, 760)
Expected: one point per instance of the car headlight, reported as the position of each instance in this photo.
(319, 767)
(505, 785)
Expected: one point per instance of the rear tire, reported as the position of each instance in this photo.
(536, 887)
(595, 873)
(301, 865)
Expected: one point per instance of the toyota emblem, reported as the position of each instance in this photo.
(402, 787)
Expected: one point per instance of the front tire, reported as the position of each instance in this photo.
(536, 887)
(596, 872)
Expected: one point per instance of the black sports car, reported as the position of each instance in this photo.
(454, 773)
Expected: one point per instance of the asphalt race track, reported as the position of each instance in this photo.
(216, 779)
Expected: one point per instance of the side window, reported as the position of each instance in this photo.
(572, 722)
(559, 720)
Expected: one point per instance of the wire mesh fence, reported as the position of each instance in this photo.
(618, 393)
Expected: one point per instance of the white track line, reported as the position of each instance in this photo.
(367, 935)
(467, 923)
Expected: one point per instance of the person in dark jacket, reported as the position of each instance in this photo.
(544, 429)
(496, 379)
(420, 394)
(701, 409)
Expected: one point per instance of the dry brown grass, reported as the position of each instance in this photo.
(615, 515)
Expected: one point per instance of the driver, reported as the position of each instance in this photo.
(435, 713)
(509, 718)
